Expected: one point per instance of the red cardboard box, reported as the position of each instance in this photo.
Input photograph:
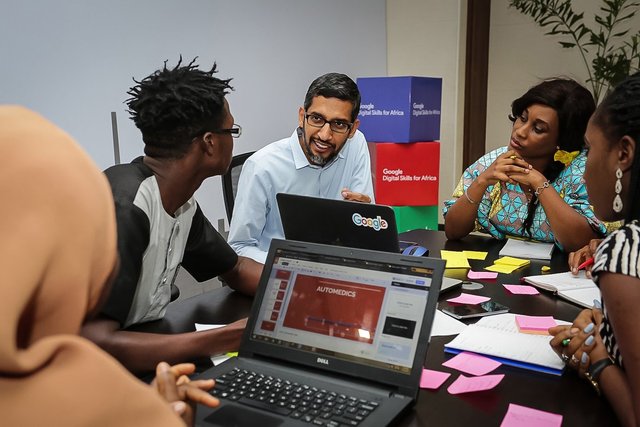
(406, 174)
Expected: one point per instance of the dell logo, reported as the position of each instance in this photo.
(322, 360)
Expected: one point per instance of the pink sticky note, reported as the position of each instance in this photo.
(464, 298)
(522, 289)
(433, 379)
(479, 275)
(521, 416)
(470, 384)
(535, 323)
(471, 363)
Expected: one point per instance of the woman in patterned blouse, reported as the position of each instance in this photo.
(533, 188)
(604, 345)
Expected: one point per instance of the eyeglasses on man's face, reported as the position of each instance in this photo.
(337, 126)
(235, 130)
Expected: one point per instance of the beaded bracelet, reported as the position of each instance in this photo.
(469, 198)
(540, 189)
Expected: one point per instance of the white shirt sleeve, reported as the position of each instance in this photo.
(249, 214)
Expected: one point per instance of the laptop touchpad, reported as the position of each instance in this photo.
(231, 415)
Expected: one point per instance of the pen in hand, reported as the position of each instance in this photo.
(586, 264)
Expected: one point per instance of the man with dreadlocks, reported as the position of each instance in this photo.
(326, 156)
(188, 131)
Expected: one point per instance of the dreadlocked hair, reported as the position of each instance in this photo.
(574, 105)
(618, 116)
(173, 106)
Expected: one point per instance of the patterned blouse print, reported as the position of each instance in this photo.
(619, 253)
(503, 208)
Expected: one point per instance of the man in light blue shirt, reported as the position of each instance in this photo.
(326, 156)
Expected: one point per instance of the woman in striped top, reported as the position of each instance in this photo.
(604, 345)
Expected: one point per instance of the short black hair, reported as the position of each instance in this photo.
(335, 85)
(574, 105)
(619, 115)
(174, 105)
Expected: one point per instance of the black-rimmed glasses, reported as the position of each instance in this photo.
(235, 130)
(317, 121)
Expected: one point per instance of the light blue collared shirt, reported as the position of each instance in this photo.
(282, 167)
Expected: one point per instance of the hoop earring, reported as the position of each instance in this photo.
(617, 201)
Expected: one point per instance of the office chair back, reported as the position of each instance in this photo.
(230, 181)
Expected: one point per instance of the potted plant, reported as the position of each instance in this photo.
(609, 52)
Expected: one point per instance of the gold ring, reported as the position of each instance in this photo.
(513, 157)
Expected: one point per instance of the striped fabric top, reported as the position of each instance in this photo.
(619, 253)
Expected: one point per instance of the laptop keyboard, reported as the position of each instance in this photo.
(310, 404)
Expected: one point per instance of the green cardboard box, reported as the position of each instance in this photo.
(415, 217)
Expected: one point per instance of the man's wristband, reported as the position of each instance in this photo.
(595, 370)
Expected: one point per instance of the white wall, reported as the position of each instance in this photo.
(73, 61)
(520, 55)
(427, 38)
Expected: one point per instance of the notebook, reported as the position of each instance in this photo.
(343, 327)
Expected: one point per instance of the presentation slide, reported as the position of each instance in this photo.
(334, 308)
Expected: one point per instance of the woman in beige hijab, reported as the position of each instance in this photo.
(57, 254)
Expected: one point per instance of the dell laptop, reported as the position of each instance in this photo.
(336, 336)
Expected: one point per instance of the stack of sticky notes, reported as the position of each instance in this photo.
(538, 325)
(455, 259)
(507, 264)
(460, 259)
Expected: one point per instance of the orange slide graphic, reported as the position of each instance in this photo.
(334, 308)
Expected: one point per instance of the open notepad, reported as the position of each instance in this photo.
(576, 289)
(498, 337)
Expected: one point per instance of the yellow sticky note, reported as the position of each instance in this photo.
(545, 268)
(518, 262)
(455, 259)
(475, 255)
(232, 354)
(502, 268)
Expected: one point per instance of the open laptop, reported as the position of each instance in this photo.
(345, 223)
(336, 336)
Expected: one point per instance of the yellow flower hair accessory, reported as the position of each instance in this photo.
(565, 157)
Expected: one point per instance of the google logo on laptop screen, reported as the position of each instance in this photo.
(376, 223)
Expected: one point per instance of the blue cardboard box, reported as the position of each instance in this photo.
(400, 109)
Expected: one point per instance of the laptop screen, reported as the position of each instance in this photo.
(362, 311)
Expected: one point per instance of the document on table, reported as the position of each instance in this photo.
(526, 249)
(446, 325)
(498, 336)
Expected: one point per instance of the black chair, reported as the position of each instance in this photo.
(230, 181)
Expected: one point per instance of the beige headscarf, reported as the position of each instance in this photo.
(57, 248)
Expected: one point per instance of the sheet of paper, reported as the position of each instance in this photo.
(481, 275)
(455, 259)
(508, 260)
(502, 268)
(216, 359)
(465, 298)
(521, 416)
(446, 325)
(467, 385)
(526, 249)
(538, 324)
(433, 379)
(475, 255)
(522, 289)
(471, 363)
